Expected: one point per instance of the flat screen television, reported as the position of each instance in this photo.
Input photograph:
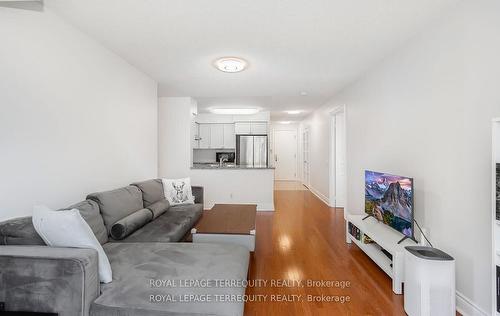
(389, 198)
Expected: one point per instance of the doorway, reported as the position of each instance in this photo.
(285, 155)
(337, 158)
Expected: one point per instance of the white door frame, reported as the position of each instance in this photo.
(332, 162)
(294, 131)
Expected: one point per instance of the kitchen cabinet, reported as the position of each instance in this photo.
(204, 136)
(259, 128)
(216, 135)
(195, 135)
(242, 127)
(229, 136)
(251, 128)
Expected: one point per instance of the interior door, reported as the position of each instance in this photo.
(305, 156)
(285, 155)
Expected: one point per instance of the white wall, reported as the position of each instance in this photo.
(338, 190)
(496, 149)
(426, 112)
(74, 117)
(174, 137)
(236, 186)
(319, 151)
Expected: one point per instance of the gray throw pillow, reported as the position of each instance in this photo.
(159, 207)
(131, 223)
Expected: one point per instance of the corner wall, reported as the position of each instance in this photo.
(175, 118)
(74, 117)
(426, 112)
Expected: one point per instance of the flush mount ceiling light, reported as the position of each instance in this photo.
(294, 112)
(285, 122)
(231, 64)
(234, 111)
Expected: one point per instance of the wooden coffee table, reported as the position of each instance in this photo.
(227, 223)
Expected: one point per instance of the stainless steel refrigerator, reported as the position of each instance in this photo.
(251, 150)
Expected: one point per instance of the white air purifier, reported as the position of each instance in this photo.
(429, 284)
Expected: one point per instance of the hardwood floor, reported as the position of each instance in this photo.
(305, 240)
(288, 185)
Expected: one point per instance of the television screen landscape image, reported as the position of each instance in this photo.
(389, 198)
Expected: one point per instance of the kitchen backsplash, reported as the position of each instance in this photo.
(206, 155)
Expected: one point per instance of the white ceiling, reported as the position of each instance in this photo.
(317, 46)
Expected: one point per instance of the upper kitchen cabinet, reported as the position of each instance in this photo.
(213, 131)
(195, 135)
(258, 128)
(204, 135)
(251, 128)
(229, 136)
(242, 128)
(216, 135)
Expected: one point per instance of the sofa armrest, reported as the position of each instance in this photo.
(198, 194)
(47, 279)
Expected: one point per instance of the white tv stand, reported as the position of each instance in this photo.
(383, 237)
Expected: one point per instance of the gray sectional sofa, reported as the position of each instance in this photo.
(153, 273)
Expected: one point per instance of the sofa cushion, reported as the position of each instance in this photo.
(90, 212)
(117, 204)
(152, 191)
(159, 207)
(136, 264)
(19, 231)
(169, 227)
(131, 223)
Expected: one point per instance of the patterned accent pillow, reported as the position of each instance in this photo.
(178, 191)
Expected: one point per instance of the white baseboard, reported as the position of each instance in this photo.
(466, 307)
(319, 195)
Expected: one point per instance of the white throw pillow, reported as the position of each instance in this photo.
(178, 191)
(69, 229)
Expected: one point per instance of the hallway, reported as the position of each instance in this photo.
(304, 240)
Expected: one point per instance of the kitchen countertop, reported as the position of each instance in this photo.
(226, 166)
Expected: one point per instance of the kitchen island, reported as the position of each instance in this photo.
(235, 184)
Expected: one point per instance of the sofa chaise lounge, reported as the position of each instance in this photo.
(153, 273)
